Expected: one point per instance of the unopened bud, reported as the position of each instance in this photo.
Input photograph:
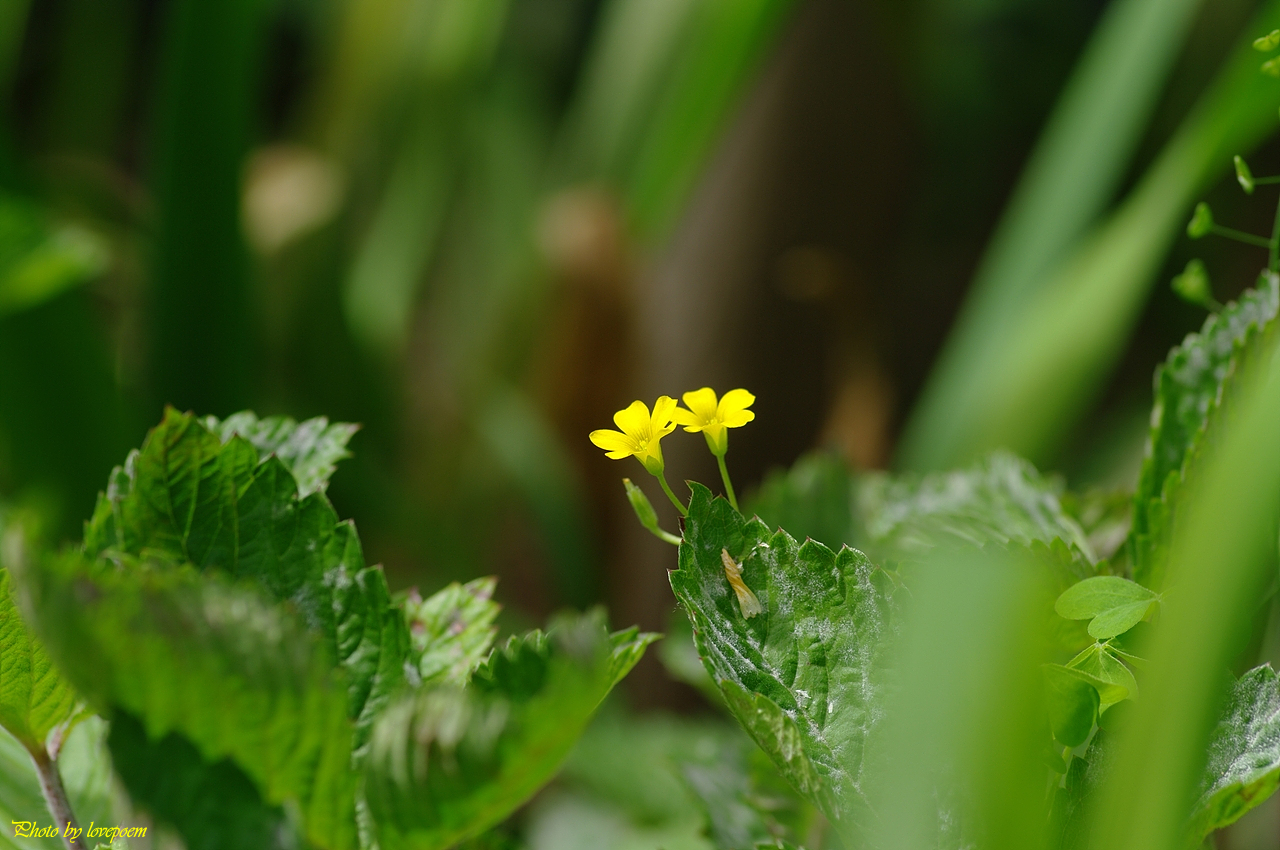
(1244, 176)
(1268, 42)
(1192, 285)
(1201, 221)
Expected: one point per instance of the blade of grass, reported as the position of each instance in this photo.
(963, 729)
(1221, 562)
(200, 325)
(1074, 325)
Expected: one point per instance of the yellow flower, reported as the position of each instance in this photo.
(714, 419)
(641, 433)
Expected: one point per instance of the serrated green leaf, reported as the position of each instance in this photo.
(452, 630)
(1072, 703)
(799, 677)
(1112, 604)
(217, 666)
(189, 497)
(35, 699)
(1190, 388)
(447, 764)
(1000, 499)
(815, 498)
(310, 449)
(1243, 768)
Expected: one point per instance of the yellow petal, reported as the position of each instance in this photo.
(687, 418)
(663, 409)
(738, 418)
(634, 421)
(703, 403)
(733, 402)
(617, 445)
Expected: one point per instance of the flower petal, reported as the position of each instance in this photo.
(734, 401)
(663, 409)
(634, 421)
(687, 418)
(617, 445)
(703, 403)
(738, 418)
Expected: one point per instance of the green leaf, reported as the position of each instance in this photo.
(447, 764)
(1190, 389)
(212, 804)
(814, 498)
(1112, 604)
(309, 449)
(1244, 752)
(190, 497)
(35, 699)
(1100, 666)
(799, 677)
(38, 260)
(452, 631)
(1000, 499)
(1072, 703)
(207, 667)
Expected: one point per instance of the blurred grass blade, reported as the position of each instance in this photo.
(1082, 156)
(522, 442)
(1075, 323)
(13, 25)
(958, 749)
(200, 324)
(384, 277)
(659, 88)
(1221, 562)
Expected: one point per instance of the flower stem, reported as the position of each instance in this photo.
(662, 479)
(1273, 263)
(55, 796)
(1241, 236)
(728, 485)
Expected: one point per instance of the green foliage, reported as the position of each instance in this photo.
(224, 621)
(190, 497)
(243, 684)
(1111, 604)
(310, 449)
(1190, 389)
(802, 690)
(452, 631)
(446, 765)
(34, 697)
(1243, 768)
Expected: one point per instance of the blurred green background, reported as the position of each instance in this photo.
(479, 227)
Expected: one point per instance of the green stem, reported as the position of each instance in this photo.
(1241, 236)
(728, 485)
(666, 536)
(662, 479)
(1273, 262)
(55, 796)
(1266, 181)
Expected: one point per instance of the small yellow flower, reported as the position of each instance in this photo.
(714, 419)
(641, 433)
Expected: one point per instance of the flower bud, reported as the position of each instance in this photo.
(1268, 42)
(1201, 221)
(1192, 285)
(1244, 176)
(641, 505)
